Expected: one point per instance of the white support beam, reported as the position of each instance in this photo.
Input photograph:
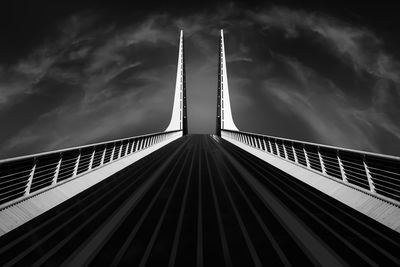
(277, 149)
(30, 179)
(295, 155)
(342, 172)
(112, 153)
(103, 156)
(284, 151)
(307, 160)
(77, 164)
(321, 162)
(369, 177)
(57, 171)
(91, 159)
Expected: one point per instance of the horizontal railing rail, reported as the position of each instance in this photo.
(374, 173)
(23, 176)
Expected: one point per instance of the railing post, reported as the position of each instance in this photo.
(294, 154)
(103, 156)
(321, 162)
(120, 151)
(277, 148)
(91, 159)
(306, 157)
(342, 172)
(29, 184)
(265, 145)
(369, 177)
(270, 147)
(57, 170)
(133, 146)
(76, 164)
(139, 147)
(126, 148)
(284, 150)
(112, 153)
(146, 140)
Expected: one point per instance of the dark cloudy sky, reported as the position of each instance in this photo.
(76, 73)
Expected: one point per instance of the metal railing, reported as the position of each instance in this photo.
(23, 176)
(376, 174)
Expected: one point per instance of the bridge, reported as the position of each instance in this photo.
(231, 198)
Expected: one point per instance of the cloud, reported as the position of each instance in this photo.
(322, 107)
(77, 78)
(358, 45)
(100, 80)
(148, 31)
(334, 117)
(352, 115)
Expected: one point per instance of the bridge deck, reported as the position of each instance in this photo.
(201, 201)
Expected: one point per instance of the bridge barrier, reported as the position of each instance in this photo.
(22, 177)
(375, 174)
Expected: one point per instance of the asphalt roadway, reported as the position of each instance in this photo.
(201, 201)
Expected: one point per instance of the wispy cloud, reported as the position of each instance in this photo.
(322, 107)
(99, 80)
(83, 69)
(336, 114)
(358, 45)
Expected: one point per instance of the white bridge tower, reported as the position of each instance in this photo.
(224, 112)
(179, 110)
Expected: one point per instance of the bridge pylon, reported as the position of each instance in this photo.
(224, 119)
(179, 110)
